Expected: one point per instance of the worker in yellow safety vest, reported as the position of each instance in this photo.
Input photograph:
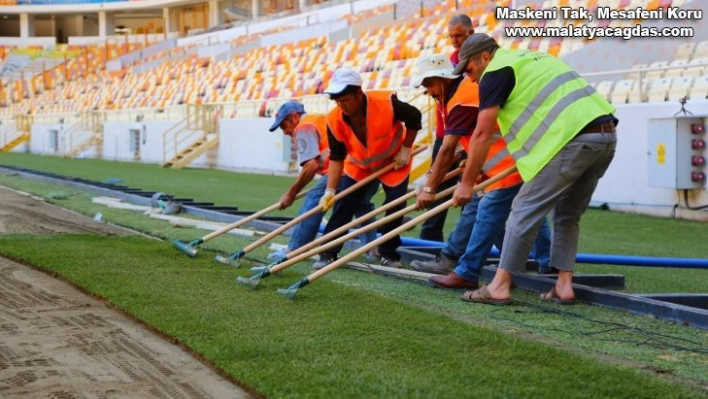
(561, 134)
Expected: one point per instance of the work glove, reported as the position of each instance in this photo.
(419, 184)
(327, 200)
(401, 158)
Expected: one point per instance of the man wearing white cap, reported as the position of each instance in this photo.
(482, 221)
(310, 132)
(366, 133)
(561, 134)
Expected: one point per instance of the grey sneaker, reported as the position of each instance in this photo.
(390, 262)
(373, 254)
(325, 259)
(441, 265)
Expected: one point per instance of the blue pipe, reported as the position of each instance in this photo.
(595, 259)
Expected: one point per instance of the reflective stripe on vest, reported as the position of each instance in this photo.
(547, 107)
(495, 159)
(384, 137)
(396, 143)
(498, 159)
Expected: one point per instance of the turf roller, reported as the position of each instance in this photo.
(233, 258)
(323, 243)
(190, 247)
(292, 290)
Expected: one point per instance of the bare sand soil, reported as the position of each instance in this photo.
(57, 342)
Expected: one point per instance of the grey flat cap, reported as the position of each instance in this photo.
(473, 45)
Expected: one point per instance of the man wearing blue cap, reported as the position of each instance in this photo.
(310, 133)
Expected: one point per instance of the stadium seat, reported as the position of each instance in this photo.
(679, 88)
(699, 90)
(685, 51)
(637, 68)
(639, 91)
(659, 89)
(620, 93)
(657, 74)
(701, 50)
(675, 72)
(604, 88)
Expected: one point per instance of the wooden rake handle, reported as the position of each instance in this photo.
(248, 218)
(317, 209)
(406, 226)
(333, 234)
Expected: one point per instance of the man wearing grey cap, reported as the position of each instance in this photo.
(561, 134)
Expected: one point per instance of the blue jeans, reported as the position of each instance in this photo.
(306, 231)
(487, 229)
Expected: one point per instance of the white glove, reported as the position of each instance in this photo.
(327, 200)
(419, 184)
(401, 158)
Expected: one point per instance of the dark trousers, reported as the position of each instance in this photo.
(432, 228)
(343, 213)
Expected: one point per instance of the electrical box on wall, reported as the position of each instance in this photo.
(677, 152)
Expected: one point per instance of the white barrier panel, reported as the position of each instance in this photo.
(48, 43)
(247, 144)
(119, 141)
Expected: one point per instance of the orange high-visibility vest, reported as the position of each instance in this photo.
(384, 137)
(498, 159)
(319, 122)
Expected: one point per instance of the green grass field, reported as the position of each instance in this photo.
(354, 334)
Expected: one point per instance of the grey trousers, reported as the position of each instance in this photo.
(564, 188)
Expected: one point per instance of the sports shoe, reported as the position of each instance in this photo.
(325, 259)
(441, 265)
(390, 262)
(279, 254)
(373, 254)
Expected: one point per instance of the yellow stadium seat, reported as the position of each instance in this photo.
(657, 73)
(604, 88)
(620, 93)
(701, 50)
(659, 89)
(699, 89)
(680, 88)
(685, 51)
(675, 72)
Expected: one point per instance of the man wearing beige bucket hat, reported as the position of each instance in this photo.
(482, 221)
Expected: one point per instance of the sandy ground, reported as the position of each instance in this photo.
(56, 342)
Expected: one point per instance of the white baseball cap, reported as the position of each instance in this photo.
(342, 78)
(432, 66)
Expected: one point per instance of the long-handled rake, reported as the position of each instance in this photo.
(190, 247)
(292, 290)
(233, 258)
(314, 247)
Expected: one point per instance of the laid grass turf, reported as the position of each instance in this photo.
(602, 232)
(336, 341)
(615, 337)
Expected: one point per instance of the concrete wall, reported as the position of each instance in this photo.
(117, 137)
(46, 42)
(247, 144)
(42, 142)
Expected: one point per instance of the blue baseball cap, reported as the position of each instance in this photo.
(285, 110)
